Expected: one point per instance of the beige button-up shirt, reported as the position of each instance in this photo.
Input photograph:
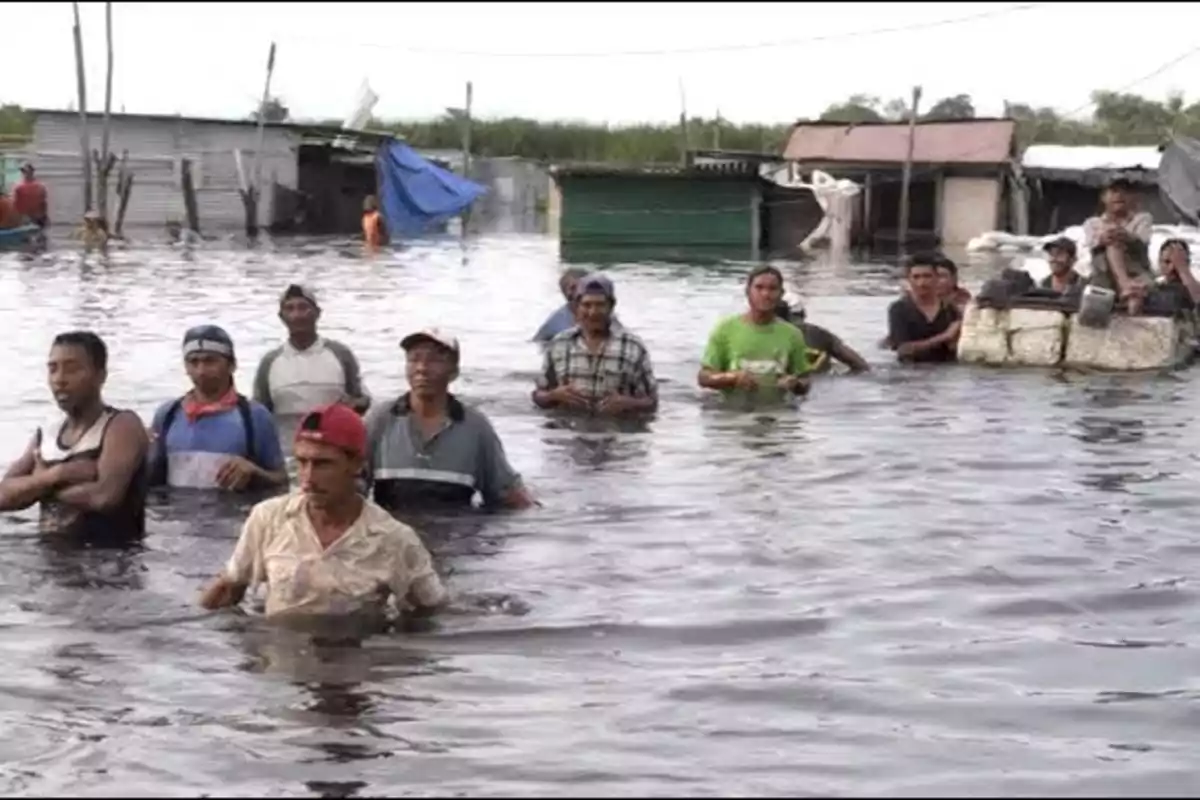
(377, 556)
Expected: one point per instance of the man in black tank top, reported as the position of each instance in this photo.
(87, 465)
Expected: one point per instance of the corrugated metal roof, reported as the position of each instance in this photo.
(736, 169)
(976, 141)
(1087, 157)
(96, 117)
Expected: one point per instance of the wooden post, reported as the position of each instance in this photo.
(106, 160)
(251, 197)
(189, 195)
(124, 187)
(716, 134)
(902, 240)
(466, 151)
(81, 83)
(683, 126)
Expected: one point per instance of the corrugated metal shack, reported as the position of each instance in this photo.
(713, 208)
(1064, 182)
(962, 174)
(310, 184)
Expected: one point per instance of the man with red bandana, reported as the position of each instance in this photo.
(214, 437)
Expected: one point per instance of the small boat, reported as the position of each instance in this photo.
(12, 238)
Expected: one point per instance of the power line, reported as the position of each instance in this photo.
(703, 49)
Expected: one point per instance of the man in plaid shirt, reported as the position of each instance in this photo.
(594, 366)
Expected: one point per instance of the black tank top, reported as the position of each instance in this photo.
(124, 522)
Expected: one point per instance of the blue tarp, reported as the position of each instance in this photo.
(417, 194)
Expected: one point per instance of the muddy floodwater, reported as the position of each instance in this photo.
(936, 581)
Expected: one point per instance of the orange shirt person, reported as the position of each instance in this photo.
(374, 235)
(9, 218)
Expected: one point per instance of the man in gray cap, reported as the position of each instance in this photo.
(592, 367)
(214, 437)
(427, 450)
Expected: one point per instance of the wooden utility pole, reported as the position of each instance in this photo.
(716, 134)
(84, 142)
(253, 193)
(106, 160)
(902, 241)
(466, 150)
(683, 126)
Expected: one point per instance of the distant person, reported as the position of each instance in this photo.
(948, 288)
(1118, 242)
(9, 218)
(823, 346)
(922, 327)
(430, 451)
(308, 370)
(1177, 280)
(213, 437)
(591, 367)
(325, 549)
(564, 317)
(756, 353)
(86, 465)
(374, 232)
(1061, 254)
(30, 199)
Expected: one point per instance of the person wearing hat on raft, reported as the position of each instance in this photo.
(325, 549)
(213, 437)
(1118, 241)
(1061, 255)
(308, 370)
(429, 451)
(591, 367)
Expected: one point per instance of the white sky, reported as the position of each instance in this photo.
(208, 59)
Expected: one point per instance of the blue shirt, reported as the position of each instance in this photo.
(195, 451)
(561, 320)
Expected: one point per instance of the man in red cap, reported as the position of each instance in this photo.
(325, 549)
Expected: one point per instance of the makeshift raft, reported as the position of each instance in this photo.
(1034, 335)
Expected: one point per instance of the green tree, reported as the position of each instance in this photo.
(957, 107)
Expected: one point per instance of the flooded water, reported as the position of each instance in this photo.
(923, 581)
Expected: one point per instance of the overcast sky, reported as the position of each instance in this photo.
(601, 62)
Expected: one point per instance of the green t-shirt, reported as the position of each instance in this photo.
(768, 351)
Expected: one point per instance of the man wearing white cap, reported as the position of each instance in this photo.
(308, 370)
(427, 450)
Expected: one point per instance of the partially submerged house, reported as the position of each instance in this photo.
(1063, 182)
(961, 179)
(716, 207)
(314, 177)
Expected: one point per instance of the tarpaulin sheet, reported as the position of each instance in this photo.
(417, 194)
(1179, 177)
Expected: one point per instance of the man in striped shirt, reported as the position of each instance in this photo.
(592, 366)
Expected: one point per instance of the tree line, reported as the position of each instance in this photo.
(1116, 118)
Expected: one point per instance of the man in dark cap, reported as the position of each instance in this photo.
(1061, 255)
(214, 437)
(308, 370)
(591, 367)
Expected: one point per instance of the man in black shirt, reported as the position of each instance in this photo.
(921, 326)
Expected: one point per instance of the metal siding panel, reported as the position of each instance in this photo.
(155, 146)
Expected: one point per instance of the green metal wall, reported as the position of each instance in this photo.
(655, 217)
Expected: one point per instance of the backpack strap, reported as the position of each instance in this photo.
(158, 466)
(243, 406)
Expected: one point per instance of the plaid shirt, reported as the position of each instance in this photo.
(621, 367)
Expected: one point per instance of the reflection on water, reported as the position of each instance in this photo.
(915, 581)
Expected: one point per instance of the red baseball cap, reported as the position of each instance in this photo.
(336, 424)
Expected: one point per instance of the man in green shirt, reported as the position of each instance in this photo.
(756, 353)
